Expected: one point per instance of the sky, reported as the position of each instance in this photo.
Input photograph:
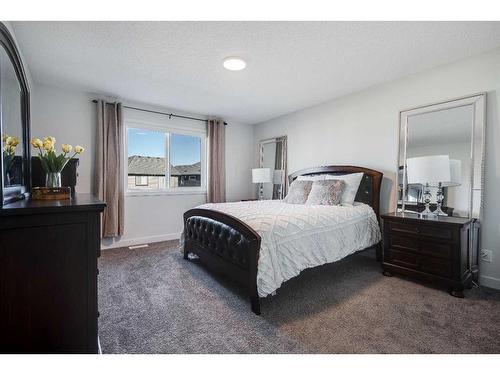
(185, 149)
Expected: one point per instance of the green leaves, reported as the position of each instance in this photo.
(51, 162)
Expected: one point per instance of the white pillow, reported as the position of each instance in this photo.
(352, 182)
(320, 177)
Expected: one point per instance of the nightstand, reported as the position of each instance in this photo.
(441, 250)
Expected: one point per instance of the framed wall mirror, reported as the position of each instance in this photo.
(441, 158)
(14, 121)
(273, 155)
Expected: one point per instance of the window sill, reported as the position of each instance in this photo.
(138, 193)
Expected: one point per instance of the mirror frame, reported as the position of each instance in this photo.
(283, 139)
(12, 194)
(478, 101)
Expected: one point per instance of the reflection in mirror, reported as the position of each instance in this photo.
(273, 156)
(11, 124)
(447, 132)
(437, 160)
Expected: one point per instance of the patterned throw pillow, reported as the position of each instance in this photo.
(328, 192)
(299, 190)
(352, 182)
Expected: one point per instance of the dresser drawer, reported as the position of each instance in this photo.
(421, 230)
(423, 246)
(402, 258)
(436, 249)
(404, 243)
(436, 266)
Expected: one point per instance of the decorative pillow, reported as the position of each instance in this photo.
(352, 182)
(298, 193)
(326, 192)
(319, 177)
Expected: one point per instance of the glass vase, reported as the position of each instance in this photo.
(53, 179)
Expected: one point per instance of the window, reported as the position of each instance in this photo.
(185, 160)
(141, 180)
(160, 159)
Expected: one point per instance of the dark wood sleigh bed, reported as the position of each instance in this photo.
(230, 247)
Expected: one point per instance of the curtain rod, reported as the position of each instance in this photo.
(170, 115)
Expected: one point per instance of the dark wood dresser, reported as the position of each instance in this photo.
(441, 250)
(48, 275)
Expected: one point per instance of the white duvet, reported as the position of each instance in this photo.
(296, 236)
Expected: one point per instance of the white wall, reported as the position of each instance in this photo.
(239, 161)
(70, 116)
(361, 129)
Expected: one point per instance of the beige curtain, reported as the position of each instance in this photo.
(216, 161)
(109, 166)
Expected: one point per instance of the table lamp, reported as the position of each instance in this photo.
(429, 171)
(261, 176)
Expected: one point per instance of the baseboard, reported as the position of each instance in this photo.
(140, 240)
(490, 282)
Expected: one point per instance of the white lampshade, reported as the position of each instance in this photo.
(455, 174)
(428, 169)
(261, 175)
(278, 176)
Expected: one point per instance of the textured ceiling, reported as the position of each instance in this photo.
(291, 65)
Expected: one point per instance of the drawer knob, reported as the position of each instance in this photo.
(417, 230)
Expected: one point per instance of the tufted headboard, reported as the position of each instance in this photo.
(369, 188)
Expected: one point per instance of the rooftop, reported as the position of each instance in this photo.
(155, 166)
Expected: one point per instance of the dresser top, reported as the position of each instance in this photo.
(430, 219)
(81, 202)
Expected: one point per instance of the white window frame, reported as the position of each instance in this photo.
(167, 130)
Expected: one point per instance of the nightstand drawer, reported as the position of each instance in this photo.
(436, 266)
(402, 258)
(419, 229)
(436, 249)
(404, 243)
(421, 246)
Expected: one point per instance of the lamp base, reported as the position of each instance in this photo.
(427, 212)
(439, 211)
(261, 191)
(427, 200)
(440, 197)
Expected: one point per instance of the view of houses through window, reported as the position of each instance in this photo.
(148, 152)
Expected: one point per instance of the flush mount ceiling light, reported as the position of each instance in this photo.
(234, 63)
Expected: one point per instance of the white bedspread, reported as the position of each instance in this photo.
(296, 237)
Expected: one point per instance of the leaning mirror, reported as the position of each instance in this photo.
(14, 121)
(441, 157)
(273, 155)
(10, 117)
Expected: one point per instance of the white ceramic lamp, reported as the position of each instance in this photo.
(261, 176)
(429, 171)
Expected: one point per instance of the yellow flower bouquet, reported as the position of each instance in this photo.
(52, 163)
(9, 152)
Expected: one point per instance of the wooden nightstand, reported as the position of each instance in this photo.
(439, 250)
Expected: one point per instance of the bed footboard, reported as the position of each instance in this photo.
(225, 244)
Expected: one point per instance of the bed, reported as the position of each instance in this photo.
(262, 244)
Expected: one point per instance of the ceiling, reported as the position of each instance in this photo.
(290, 65)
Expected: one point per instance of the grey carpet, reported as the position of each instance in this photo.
(153, 301)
